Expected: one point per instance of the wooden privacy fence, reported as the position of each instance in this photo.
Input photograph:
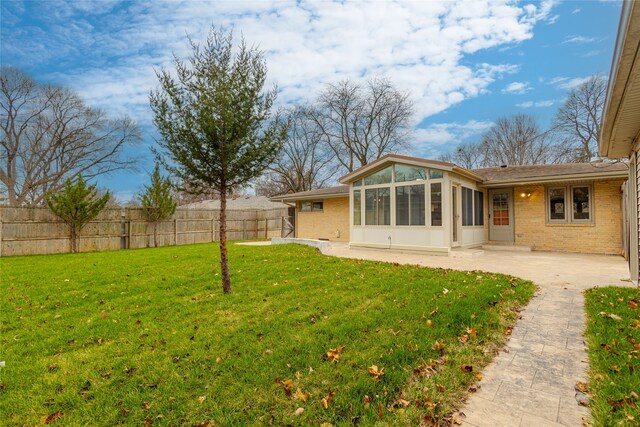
(30, 231)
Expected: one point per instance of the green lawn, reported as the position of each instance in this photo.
(146, 336)
(613, 334)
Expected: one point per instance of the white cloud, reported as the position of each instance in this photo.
(577, 10)
(420, 46)
(579, 39)
(530, 104)
(567, 83)
(439, 134)
(591, 54)
(517, 88)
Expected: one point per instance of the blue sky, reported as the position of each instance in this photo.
(463, 63)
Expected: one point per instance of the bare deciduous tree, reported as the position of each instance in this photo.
(49, 135)
(578, 120)
(361, 123)
(305, 161)
(471, 155)
(516, 140)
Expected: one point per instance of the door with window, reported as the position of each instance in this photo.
(501, 227)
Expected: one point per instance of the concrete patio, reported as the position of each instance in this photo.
(531, 382)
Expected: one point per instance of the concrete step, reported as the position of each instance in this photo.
(507, 247)
(466, 253)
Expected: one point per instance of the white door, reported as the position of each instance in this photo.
(501, 215)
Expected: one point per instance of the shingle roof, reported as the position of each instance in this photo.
(547, 172)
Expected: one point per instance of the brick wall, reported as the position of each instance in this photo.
(323, 225)
(603, 236)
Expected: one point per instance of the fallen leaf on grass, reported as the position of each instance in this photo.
(509, 330)
(472, 332)
(373, 370)
(582, 387)
(478, 375)
(201, 399)
(440, 388)
(438, 345)
(380, 410)
(463, 338)
(46, 419)
(333, 354)
(466, 368)
(299, 411)
(286, 385)
(582, 398)
(300, 395)
(325, 403)
(610, 315)
(633, 304)
(434, 312)
(366, 401)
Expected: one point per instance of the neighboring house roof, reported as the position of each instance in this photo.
(324, 193)
(415, 161)
(621, 116)
(241, 203)
(530, 174)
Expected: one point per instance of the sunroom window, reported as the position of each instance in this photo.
(357, 207)
(381, 177)
(436, 204)
(406, 173)
(377, 206)
(410, 205)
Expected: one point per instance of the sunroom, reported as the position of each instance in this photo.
(399, 202)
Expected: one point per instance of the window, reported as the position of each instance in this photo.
(410, 204)
(557, 211)
(357, 183)
(580, 201)
(500, 207)
(311, 206)
(478, 204)
(377, 206)
(436, 204)
(435, 174)
(405, 173)
(381, 177)
(467, 206)
(576, 210)
(357, 208)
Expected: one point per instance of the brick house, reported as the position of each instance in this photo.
(620, 131)
(408, 203)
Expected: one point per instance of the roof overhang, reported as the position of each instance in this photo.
(599, 175)
(290, 198)
(621, 115)
(384, 161)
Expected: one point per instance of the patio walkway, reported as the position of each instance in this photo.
(531, 382)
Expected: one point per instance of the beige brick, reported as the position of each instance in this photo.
(603, 236)
(323, 225)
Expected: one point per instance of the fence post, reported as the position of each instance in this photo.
(129, 235)
(175, 231)
(281, 226)
(213, 229)
(244, 229)
(266, 228)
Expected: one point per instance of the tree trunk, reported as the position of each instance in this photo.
(155, 234)
(224, 259)
(73, 238)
